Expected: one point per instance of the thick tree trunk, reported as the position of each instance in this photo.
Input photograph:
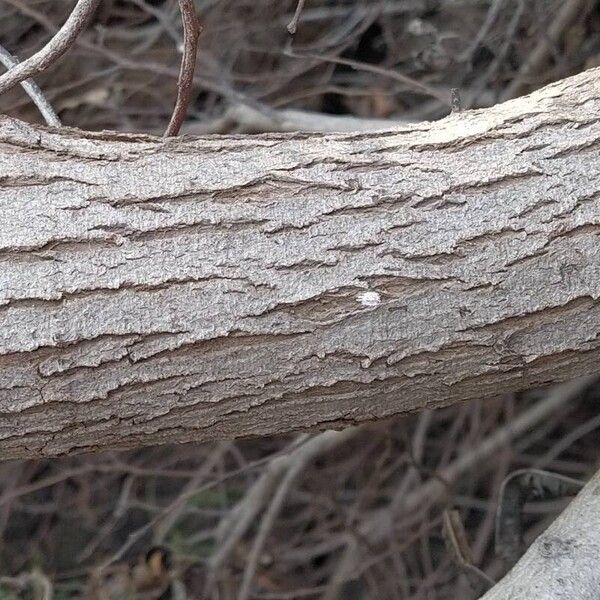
(187, 289)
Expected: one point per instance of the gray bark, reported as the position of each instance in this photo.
(155, 291)
(563, 562)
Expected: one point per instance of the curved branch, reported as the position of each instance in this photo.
(185, 82)
(32, 90)
(159, 290)
(563, 562)
(377, 527)
(54, 49)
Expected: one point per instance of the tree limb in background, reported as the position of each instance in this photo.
(242, 118)
(518, 488)
(32, 89)
(378, 526)
(570, 10)
(292, 26)
(191, 31)
(564, 561)
(54, 49)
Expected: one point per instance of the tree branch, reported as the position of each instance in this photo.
(379, 525)
(54, 49)
(185, 82)
(169, 290)
(32, 90)
(563, 562)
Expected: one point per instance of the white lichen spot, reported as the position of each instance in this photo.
(369, 298)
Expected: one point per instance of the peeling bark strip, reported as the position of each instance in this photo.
(188, 289)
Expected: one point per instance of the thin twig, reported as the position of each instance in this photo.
(37, 15)
(266, 525)
(293, 24)
(171, 517)
(233, 527)
(161, 17)
(182, 498)
(54, 49)
(40, 584)
(279, 471)
(122, 62)
(493, 67)
(369, 68)
(298, 461)
(490, 18)
(32, 90)
(460, 552)
(570, 10)
(571, 437)
(191, 32)
(379, 524)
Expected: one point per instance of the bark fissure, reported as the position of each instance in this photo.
(168, 290)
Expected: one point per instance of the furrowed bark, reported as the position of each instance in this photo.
(154, 291)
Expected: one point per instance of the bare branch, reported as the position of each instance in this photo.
(272, 490)
(191, 31)
(54, 49)
(567, 14)
(518, 488)
(391, 266)
(378, 525)
(293, 24)
(32, 89)
(563, 562)
(242, 118)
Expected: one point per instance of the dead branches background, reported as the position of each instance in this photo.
(352, 514)
(369, 59)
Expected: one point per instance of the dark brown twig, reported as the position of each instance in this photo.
(54, 49)
(32, 90)
(191, 32)
(293, 24)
